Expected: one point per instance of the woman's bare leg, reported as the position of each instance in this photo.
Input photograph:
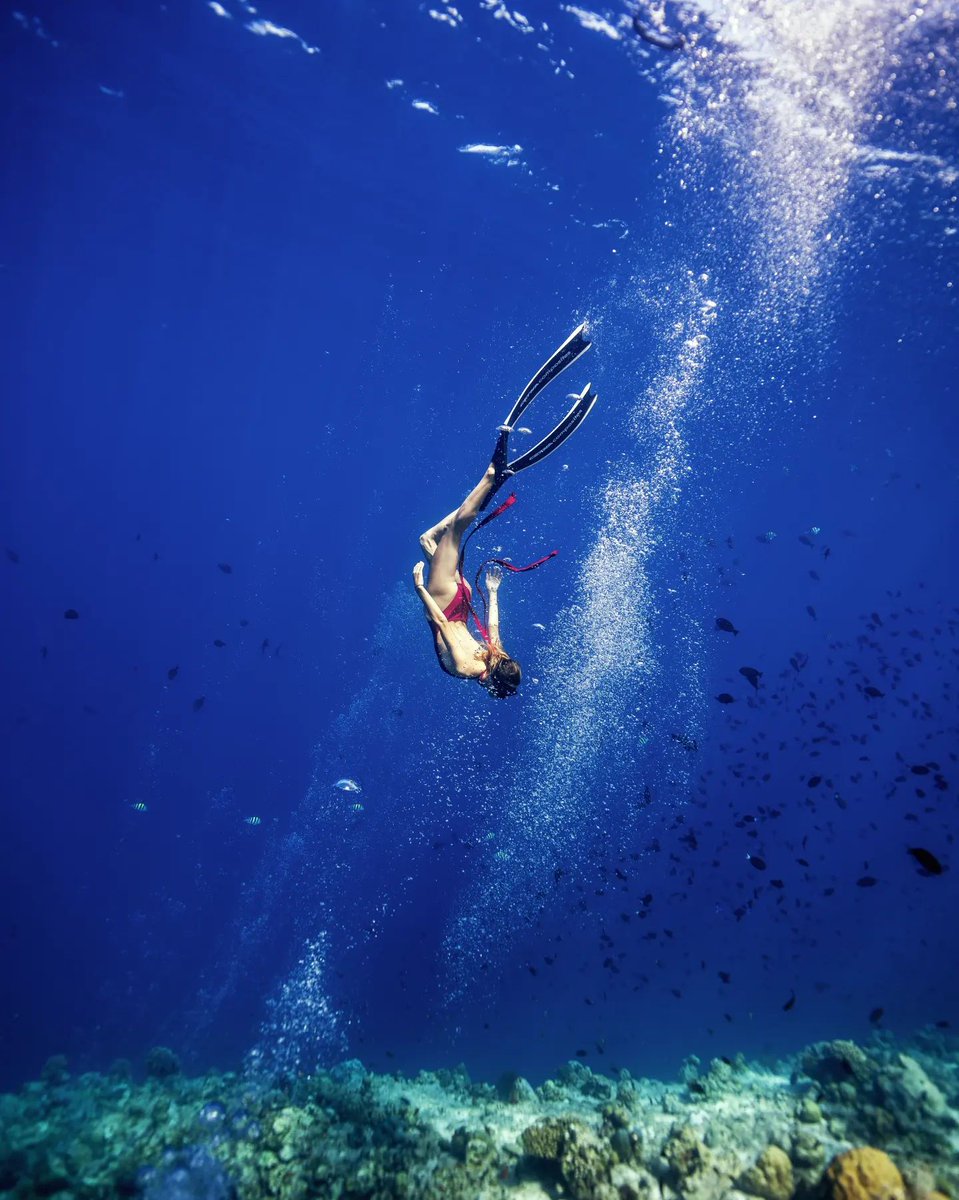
(465, 515)
(444, 552)
(429, 539)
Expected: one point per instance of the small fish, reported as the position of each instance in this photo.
(876, 1016)
(139, 806)
(805, 539)
(537, 625)
(687, 742)
(219, 643)
(347, 785)
(789, 1003)
(254, 821)
(198, 703)
(874, 692)
(927, 861)
(725, 976)
(769, 536)
(71, 614)
(752, 675)
(12, 555)
(755, 861)
(725, 698)
(356, 807)
(724, 624)
(815, 781)
(244, 622)
(812, 612)
(225, 568)
(43, 652)
(173, 672)
(523, 429)
(866, 881)
(264, 645)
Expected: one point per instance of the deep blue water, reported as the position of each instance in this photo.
(262, 308)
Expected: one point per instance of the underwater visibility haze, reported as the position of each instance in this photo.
(273, 275)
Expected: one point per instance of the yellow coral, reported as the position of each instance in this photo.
(771, 1178)
(864, 1174)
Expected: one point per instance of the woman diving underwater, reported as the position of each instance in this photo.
(447, 597)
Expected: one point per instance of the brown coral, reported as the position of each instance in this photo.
(864, 1173)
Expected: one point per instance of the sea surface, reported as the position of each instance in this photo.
(271, 275)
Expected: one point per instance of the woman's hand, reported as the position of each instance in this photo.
(418, 573)
(494, 577)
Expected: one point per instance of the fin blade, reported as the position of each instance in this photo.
(575, 345)
(556, 437)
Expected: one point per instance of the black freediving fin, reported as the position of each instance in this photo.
(555, 438)
(575, 345)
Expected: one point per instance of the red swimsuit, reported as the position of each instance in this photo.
(460, 609)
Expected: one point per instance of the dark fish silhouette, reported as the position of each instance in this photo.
(173, 672)
(13, 556)
(927, 860)
(685, 741)
(726, 625)
(811, 611)
(789, 1003)
(874, 692)
(71, 614)
(876, 1016)
(866, 881)
(218, 643)
(43, 652)
(225, 568)
(244, 621)
(725, 698)
(725, 976)
(263, 645)
(757, 862)
(198, 703)
(752, 675)
(815, 781)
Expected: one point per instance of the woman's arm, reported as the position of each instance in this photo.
(433, 610)
(494, 577)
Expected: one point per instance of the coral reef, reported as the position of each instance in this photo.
(864, 1173)
(737, 1131)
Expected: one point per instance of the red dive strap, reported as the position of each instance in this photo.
(481, 625)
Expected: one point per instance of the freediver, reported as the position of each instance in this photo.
(447, 597)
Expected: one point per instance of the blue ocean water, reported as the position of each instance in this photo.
(271, 278)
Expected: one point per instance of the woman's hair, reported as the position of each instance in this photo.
(504, 675)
